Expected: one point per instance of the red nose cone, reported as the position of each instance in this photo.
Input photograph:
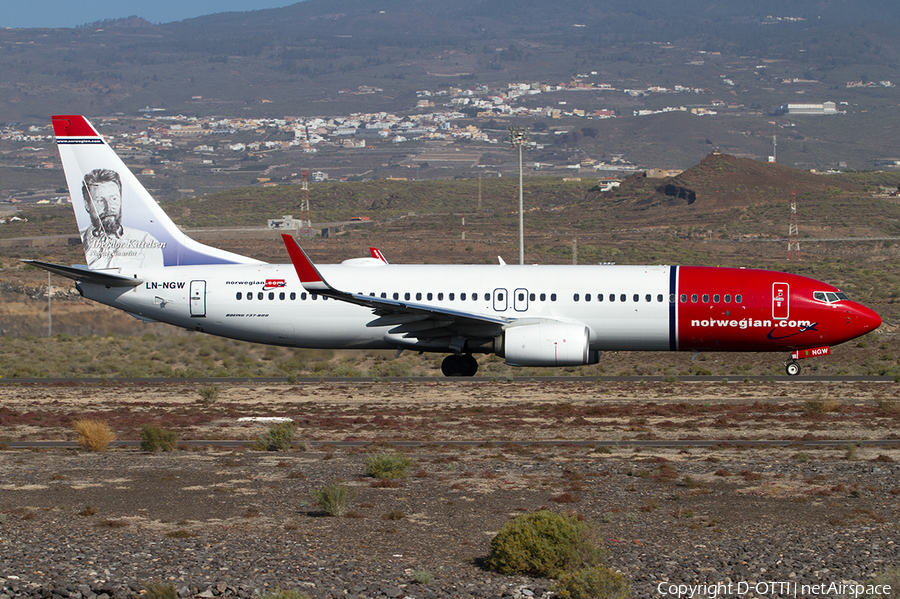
(863, 320)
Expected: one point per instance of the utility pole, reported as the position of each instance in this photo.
(49, 311)
(793, 231)
(518, 137)
(305, 230)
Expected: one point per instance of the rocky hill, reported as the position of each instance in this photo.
(721, 182)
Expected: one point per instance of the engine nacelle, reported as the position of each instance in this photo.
(547, 344)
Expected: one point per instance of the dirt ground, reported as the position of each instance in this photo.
(462, 411)
(227, 522)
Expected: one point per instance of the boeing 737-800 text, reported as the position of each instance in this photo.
(140, 262)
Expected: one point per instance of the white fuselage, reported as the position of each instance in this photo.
(266, 303)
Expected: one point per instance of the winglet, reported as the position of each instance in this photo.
(309, 275)
(376, 253)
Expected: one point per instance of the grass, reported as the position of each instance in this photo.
(171, 353)
(335, 499)
(93, 435)
(388, 465)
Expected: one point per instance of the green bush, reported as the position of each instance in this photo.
(277, 438)
(596, 582)
(154, 438)
(889, 577)
(158, 589)
(335, 500)
(546, 544)
(284, 594)
(388, 464)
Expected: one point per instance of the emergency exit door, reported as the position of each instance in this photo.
(781, 299)
(198, 298)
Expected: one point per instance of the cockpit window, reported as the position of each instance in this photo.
(830, 296)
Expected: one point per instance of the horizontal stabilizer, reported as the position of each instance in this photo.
(82, 273)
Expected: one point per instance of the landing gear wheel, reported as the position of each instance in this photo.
(470, 365)
(456, 365)
(792, 368)
(452, 365)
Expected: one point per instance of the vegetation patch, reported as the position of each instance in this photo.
(546, 544)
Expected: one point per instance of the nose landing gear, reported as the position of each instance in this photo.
(792, 367)
(459, 365)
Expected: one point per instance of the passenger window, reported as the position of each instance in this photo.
(622, 297)
(259, 295)
(462, 297)
(418, 295)
(396, 295)
(440, 297)
(587, 297)
(659, 298)
(727, 298)
(672, 298)
(738, 299)
(612, 297)
(531, 297)
(281, 295)
(293, 296)
(303, 296)
(637, 297)
(406, 296)
(575, 297)
(474, 297)
(313, 296)
(649, 298)
(238, 296)
(552, 297)
(543, 297)
(705, 298)
(384, 295)
(487, 297)
(716, 298)
(450, 296)
(599, 297)
(684, 298)
(429, 296)
(694, 298)
(250, 295)
(271, 295)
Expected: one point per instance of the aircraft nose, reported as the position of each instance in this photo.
(863, 319)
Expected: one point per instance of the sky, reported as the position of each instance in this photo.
(66, 13)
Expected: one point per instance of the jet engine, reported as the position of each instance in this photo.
(547, 344)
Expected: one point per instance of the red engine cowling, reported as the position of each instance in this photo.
(547, 344)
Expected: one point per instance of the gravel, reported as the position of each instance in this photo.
(221, 523)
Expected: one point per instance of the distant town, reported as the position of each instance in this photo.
(446, 129)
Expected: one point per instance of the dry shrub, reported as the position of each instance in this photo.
(93, 435)
(822, 406)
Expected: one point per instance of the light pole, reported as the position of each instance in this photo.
(518, 137)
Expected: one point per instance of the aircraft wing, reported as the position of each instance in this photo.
(83, 273)
(408, 318)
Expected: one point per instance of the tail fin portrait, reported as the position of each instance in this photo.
(121, 225)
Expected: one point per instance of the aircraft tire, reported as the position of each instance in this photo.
(456, 365)
(470, 365)
(792, 368)
(453, 365)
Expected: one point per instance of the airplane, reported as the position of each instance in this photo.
(531, 315)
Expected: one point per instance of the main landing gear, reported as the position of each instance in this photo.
(459, 365)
